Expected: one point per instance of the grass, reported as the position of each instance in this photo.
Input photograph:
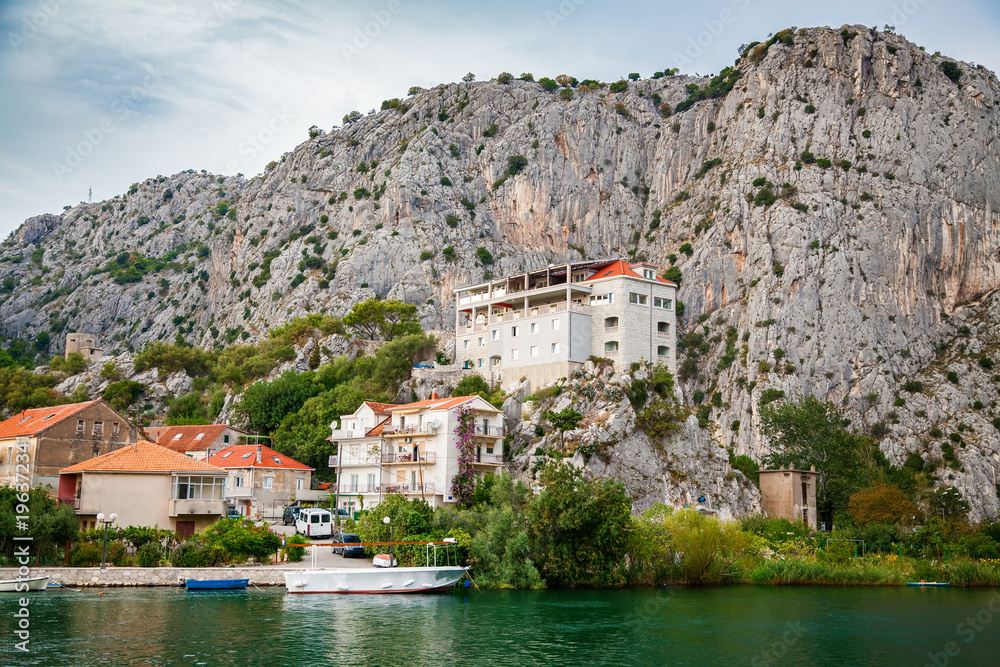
(874, 570)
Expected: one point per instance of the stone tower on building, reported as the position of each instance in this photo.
(85, 344)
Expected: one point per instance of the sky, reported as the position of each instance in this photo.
(96, 94)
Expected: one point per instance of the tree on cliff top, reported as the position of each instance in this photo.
(383, 320)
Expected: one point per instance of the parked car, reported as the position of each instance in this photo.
(349, 551)
(314, 522)
(233, 514)
(290, 514)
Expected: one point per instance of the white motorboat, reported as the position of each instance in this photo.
(17, 585)
(373, 580)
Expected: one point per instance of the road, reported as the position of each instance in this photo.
(325, 557)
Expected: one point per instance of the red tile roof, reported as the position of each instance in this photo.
(143, 457)
(185, 438)
(621, 268)
(30, 423)
(434, 403)
(245, 456)
(378, 429)
(380, 408)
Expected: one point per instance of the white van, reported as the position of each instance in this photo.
(314, 522)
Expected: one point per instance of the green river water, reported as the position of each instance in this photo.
(739, 625)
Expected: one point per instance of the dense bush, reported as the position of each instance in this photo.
(149, 554)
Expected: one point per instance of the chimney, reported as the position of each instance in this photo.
(259, 453)
(434, 395)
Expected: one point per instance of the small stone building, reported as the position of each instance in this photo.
(789, 494)
(61, 436)
(85, 344)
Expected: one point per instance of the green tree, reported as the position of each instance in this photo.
(579, 528)
(265, 404)
(564, 420)
(375, 319)
(120, 395)
(473, 384)
(809, 432)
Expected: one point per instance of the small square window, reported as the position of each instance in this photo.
(533, 351)
(513, 332)
(482, 341)
(513, 353)
(555, 325)
(495, 334)
(534, 327)
(554, 349)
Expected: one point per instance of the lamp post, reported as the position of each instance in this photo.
(392, 547)
(101, 519)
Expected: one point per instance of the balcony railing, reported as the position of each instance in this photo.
(490, 431)
(238, 492)
(427, 489)
(611, 354)
(354, 489)
(663, 334)
(72, 502)
(489, 459)
(613, 329)
(395, 431)
(420, 457)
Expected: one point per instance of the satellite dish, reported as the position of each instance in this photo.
(435, 423)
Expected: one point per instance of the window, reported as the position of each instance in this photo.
(555, 325)
(276, 460)
(611, 346)
(225, 439)
(602, 299)
(98, 428)
(533, 351)
(178, 436)
(480, 363)
(513, 353)
(554, 349)
(662, 351)
(513, 332)
(115, 428)
(634, 297)
(413, 479)
(199, 436)
(662, 328)
(268, 482)
(534, 327)
(239, 481)
(482, 341)
(465, 344)
(198, 488)
(247, 455)
(495, 334)
(354, 484)
(648, 274)
(226, 454)
(579, 277)
(371, 481)
(81, 425)
(610, 323)
(660, 302)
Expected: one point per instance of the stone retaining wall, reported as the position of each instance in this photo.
(149, 576)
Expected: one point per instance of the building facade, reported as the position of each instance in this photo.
(85, 344)
(262, 482)
(57, 437)
(195, 441)
(414, 452)
(789, 494)
(145, 485)
(543, 325)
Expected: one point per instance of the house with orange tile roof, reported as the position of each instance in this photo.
(145, 485)
(60, 436)
(262, 481)
(196, 441)
(413, 452)
(543, 325)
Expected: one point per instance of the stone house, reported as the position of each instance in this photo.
(195, 441)
(789, 494)
(544, 324)
(85, 344)
(145, 485)
(61, 436)
(262, 482)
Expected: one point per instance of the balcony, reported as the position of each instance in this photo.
(663, 334)
(490, 431)
(342, 434)
(355, 489)
(425, 489)
(237, 492)
(420, 457)
(71, 502)
(489, 459)
(396, 432)
(201, 507)
(610, 330)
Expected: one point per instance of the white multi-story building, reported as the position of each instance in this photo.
(411, 449)
(544, 324)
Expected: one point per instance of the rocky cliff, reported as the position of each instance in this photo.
(833, 204)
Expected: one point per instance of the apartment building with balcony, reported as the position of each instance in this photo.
(145, 485)
(412, 450)
(543, 325)
(262, 481)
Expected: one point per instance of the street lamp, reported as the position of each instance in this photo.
(392, 548)
(101, 519)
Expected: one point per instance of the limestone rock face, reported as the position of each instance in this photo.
(834, 215)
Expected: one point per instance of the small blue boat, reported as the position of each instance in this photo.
(928, 583)
(215, 584)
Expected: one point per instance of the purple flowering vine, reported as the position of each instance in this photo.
(464, 482)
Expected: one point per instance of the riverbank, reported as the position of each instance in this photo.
(151, 576)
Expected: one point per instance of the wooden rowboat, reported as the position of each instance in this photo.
(215, 584)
